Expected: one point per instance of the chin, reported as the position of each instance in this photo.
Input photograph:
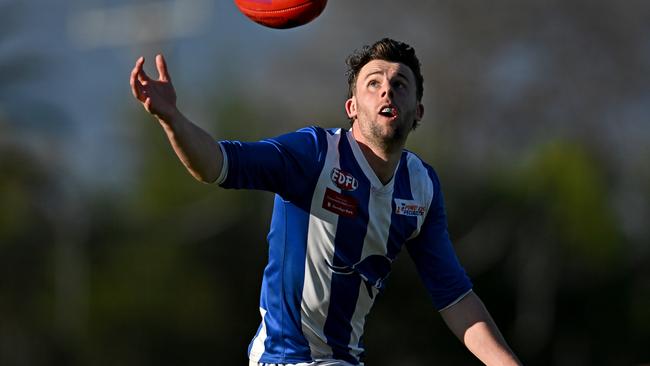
(392, 136)
(397, 130)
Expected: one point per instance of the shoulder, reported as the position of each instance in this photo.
(301, 139)
(309, 134)
(310, 142)
(420, 170)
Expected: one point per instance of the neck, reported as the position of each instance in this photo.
(382, 159)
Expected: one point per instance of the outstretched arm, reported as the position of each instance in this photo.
(470, 321)
(197, 150)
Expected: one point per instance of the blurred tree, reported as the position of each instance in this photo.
(41, 287)
(541, 241)
(26, 233)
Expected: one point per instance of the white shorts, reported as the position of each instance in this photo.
(315, 363)
(251, 363)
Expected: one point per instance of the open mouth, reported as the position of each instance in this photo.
(388, 111)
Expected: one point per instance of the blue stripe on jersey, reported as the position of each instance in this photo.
(401, 227)
(348, 246)
(282, 285)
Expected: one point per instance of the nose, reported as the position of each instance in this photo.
(387, 91)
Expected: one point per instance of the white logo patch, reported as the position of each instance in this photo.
(344, 180)
(408, 208)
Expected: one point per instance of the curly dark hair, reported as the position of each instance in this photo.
(388, 50)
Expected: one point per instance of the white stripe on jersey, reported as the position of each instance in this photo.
(422, 189)
(258, 343)
(375, 241)
(320, 250)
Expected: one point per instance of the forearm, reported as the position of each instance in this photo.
(196, 149)
(485, 341)
(470, 321)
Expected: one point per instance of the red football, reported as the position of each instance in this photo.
(281, 13)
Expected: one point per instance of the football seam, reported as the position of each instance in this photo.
(277, 11)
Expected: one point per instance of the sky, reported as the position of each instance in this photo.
(85, 52)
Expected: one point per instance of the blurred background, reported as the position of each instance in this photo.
(537, 119)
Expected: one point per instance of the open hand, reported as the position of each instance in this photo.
(157, 96)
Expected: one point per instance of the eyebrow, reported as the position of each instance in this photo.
(401, 74)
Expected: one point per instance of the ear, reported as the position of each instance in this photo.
(419, 112)
(351, 107)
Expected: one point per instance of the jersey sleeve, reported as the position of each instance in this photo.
(434, 256)
(284, 164)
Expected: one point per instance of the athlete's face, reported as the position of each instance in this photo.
(384, 106)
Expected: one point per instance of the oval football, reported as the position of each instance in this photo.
(281, 14)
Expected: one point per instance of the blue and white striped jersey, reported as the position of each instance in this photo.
(335, 231)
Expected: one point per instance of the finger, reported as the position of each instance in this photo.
(161, 65)
(143, 77)
(135, 89)
(138, 90)
(140, 73)
(138, 66)
(136, 86)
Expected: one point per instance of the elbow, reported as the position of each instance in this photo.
(204, 170)
(205, 178)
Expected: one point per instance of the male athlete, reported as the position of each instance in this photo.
(346, 203)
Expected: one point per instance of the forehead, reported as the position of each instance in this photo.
(386, 67)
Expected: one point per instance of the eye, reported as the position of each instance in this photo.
(374, 84)
(399, 84)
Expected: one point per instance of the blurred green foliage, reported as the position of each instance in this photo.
(563, 180)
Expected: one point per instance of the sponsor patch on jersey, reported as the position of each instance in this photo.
(408, 208)
(339, 203)
(344, 180)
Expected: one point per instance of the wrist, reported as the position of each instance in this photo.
(171, 119)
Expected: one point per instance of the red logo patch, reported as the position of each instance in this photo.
(339, 203)
(344, 180)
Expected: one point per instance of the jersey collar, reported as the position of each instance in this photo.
(375, 183)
